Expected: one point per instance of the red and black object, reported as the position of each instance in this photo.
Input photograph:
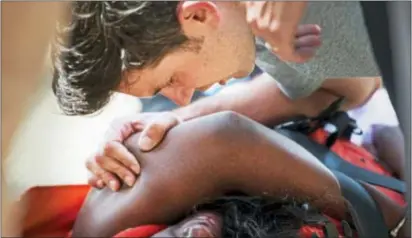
(351, 164)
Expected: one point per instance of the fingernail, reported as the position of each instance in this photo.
(99, 183)
(112, 185)
(146, 143)
(136, 169)
(129, 180)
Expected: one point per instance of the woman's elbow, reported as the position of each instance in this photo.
(356, 91)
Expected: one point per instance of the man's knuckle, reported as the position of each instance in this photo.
(109, 147)
(98, 172)
(100, 160)
(116, 167)
(156, 126)
(129, 162)
(122, 172)
(89, 165)
(107, 176)
(92, 182)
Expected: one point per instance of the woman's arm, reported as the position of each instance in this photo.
(356, 91)
(203, 159)
(390, 147)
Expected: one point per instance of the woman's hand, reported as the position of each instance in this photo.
(278, 23)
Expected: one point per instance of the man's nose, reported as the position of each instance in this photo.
(180, 95)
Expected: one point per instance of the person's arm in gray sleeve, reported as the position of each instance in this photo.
(293, 84)
(345, 52)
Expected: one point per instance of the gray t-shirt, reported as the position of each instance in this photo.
(345, 51)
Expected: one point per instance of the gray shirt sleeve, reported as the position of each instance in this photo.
(345, 51)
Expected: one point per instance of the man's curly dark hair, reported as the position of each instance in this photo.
(103, 38)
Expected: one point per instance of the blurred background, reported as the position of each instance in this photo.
(50, 148)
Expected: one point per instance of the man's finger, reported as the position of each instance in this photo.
(253, 10)
(109, 179)
(122, 128)
(111, 165)
(308, 29)
(95, 182)
(118, 151)
(266, 15)
(308, 41)
(304, 54)
(153, 134)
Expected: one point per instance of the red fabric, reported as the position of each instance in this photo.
(360, 157)
(52, 210)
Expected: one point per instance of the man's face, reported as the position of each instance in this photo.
(224, 49)
(202, 224)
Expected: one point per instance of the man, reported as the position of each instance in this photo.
(142, 48)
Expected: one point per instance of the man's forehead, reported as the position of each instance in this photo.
(143, 82)
(155, 76)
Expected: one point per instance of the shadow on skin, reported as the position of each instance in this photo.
(203, 159)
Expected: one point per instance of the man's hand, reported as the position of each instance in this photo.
(114, 163)
(278, 23)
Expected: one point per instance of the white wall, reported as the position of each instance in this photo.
(51, 148)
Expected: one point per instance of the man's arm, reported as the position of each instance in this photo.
(262, 100)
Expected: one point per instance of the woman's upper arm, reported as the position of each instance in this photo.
(225, 152)
(269, 164)
(357, 91)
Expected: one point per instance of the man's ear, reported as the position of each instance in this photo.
(192, 15)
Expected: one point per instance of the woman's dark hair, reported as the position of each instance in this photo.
(101, 39)
(262, 217)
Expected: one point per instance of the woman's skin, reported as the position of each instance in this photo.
(206, 158)
(203, 159)
(389, 145)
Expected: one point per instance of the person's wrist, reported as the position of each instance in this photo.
(177, 116)
(184, 113)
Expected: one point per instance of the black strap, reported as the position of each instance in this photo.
(347, 230)
(330, 231)
(331, 109)
(330, 115)
(334, 161)
(366, 216)
(342, 123)
(355, 172)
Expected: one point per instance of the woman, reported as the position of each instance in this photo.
(210, 157)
